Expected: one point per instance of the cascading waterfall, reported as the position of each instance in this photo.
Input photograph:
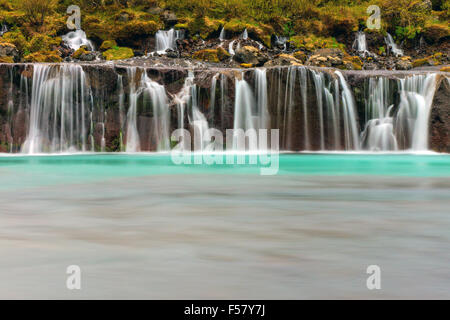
(281, 41)
(360, 44)
(76, 39)
(393, 46)
(60, 99)
(187, 99)
(250, 109)
(244, 35)
(411, 123)
(405, 126)
(222, 34)
(349, 115)
(378, 132)
(133, 141)
(167, 39)
(151, 94)
(315, 110)
(3, 29)
(230, 48)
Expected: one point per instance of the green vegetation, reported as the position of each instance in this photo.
(118, 53)
(36, 26)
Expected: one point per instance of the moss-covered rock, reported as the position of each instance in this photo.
(17, 38)
(283, 59)
(81, 51)
(433, 60)
(312, 42)
(222, 54)
(300, 55)
(118, 53)
(436, 32)
(108, 44)
(209, 55)
(246, 65)
(251, 55)
(6, 60)
(46, 56)
(203, 26)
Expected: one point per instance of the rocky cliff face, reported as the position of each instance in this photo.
(93, 107)
(440, 118)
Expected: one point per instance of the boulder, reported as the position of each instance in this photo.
(328, 57)
(283, 60)
(250, 55)
(8, 50)
(403, 64)
(169, 18)
(440, 118)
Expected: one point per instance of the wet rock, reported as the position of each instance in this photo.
(123, 17)
(403, 64)
(250, 55)
(300, 55)
(169, 18)
(108, 44)
(370, 66)
(283, 60)
(8, 50)
(329, 57)
(440, 118)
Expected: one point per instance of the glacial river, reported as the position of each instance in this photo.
(140, 226)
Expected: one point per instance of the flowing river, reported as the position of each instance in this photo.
(140, 226)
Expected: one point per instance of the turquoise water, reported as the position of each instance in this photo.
(40, 170)
(140, 226)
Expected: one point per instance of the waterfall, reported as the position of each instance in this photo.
(150, 95)
(319, 85)
(262, 113)
(133, 141)
(393, 46)
(187, 99)
(281, 41)
(251, 108)
(244, 35)
(391, 127)
(167, 39)
(378, 133)
(416, 97)
(222, 34)
(360, 43)
(3, 30)
(348, 115)
(121, 109)
(230, 48)
(314, 110)
(60, 100)
(76, 39)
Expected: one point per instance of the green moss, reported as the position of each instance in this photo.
(108, 44)
(77, 54)
(118, 53)
(312, 42)
(222, 54)
(181, 26)
(46, 56)
(209, 55)
(246, 65)
(16, 37)
(203, 26)
(6, 60)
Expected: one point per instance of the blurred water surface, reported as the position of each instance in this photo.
(141, 227)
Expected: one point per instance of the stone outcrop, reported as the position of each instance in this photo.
(250, 55)
(440, 117)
